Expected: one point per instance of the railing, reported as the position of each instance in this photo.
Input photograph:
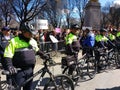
(50, 46)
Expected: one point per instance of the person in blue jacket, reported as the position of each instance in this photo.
(88, 42)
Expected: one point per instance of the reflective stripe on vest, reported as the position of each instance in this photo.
(17, 43)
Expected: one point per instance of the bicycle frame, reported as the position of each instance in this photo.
(40, 72)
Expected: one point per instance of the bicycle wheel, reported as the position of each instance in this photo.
(5, 86)
(91, 67)
(75, 76)
(61, 82)
(117, 59)
(103, 61)
(7, 83)
(112, 60)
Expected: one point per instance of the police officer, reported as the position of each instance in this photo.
(20, 53)
(72, 44)
(5, 37)
(102, 42)
(71, 39)
(101, 39)
(118, 35)
(112, 38)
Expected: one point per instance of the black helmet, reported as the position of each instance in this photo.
(75, 26)
(114, 30)
(27, 28)
(103, 30)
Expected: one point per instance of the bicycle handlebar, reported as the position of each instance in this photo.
(6, 72)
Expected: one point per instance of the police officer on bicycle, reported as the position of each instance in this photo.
(72, 44)
(102, 44)
(20, 53)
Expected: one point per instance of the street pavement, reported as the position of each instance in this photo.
(107, 80)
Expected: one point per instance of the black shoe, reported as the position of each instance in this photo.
(99, 69)
(118, 67)
(75, 79)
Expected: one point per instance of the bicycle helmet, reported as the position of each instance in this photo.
(103, 30)
(114, 30)
(75, 26)
(27, 28)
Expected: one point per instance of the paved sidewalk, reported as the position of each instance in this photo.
(39, 64)
(57, 58)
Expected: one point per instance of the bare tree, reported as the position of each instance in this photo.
(50, 12)
(26, 10)
(80, 4)
(110, 15)
(115, 20)
(6, 11)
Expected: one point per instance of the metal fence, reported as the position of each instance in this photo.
(49, 46)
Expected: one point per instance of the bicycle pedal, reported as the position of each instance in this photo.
(37, 88)
(75, 78)
(82, 78)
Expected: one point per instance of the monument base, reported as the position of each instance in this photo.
(93, 15)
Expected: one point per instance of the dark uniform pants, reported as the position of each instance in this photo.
(72, 67)
(22, 76)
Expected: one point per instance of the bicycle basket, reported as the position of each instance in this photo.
(68, 60)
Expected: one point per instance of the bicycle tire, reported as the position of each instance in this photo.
(103, 62)
(117, 59)
(77, 75)
(112, 60)
(63, 83)
(5, 86)
(91, 67)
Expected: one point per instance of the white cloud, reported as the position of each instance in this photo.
(116, 4)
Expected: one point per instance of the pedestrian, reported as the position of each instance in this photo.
(20, 53)
(5, 37)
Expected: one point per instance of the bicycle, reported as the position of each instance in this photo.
(86, 65)
(114, 57)
(117, 50)
(108, 58)
(51, 48)
(55, 82)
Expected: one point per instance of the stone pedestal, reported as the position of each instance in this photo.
(92, 15)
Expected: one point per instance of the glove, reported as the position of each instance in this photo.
(9, 66)
(12, 70)
(43, 55)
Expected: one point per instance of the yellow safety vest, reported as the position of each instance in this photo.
(17, 43)
(112, 37)
(70, 38)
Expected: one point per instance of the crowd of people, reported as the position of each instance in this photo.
(25, 43)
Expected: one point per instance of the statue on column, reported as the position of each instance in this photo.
(93, 14)
(93, 0)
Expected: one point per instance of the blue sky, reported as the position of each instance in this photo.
(103, 2)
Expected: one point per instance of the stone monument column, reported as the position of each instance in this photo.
(92, 14)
